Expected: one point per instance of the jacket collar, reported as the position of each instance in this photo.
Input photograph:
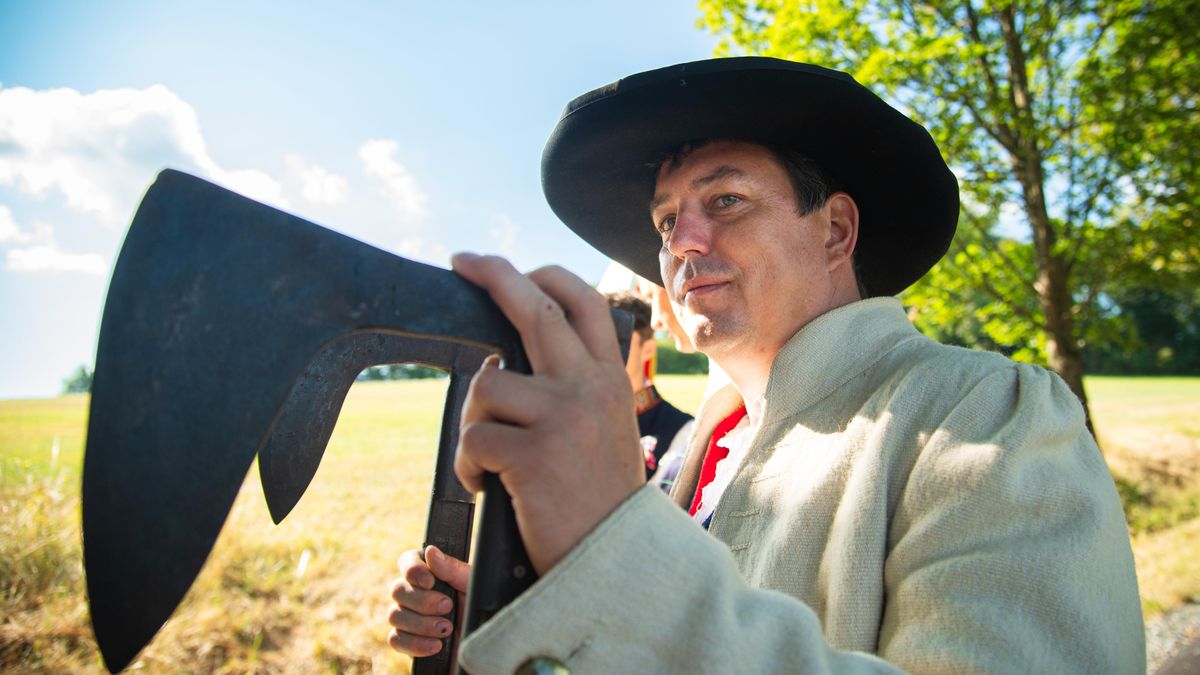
(831, 350)
(824, 355)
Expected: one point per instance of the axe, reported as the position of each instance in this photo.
(232, 329)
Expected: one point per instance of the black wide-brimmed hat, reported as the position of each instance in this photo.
(599, 166)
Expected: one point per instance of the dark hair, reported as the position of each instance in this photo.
(811, 183)
(640, 309)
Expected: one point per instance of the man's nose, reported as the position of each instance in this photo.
(692, 234)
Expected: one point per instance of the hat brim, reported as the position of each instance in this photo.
(599, 166)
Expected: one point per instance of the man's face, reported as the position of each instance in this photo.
(745, 268)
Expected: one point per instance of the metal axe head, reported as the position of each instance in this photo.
(232, 328)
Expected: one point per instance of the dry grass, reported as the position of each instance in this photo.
(253, 609)
(1149, 427)
(1168, 567)
(1150, 431)
(256, 608)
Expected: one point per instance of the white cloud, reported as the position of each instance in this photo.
(431, 252)
(255, 184)
(504, 234)
(49, 258)
(9, 231)
(100, 150)
(397, 184)
(39, 252)
(318, 184)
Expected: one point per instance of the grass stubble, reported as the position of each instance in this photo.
(1149, 428)
(310, 595)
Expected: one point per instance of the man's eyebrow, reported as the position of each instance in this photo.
(715, 175)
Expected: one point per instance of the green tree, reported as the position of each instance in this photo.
(372, 374)
(400, 371)
(1075, 119)
(413, 371)
(1162, 333)
(78, 382)
(674, 362)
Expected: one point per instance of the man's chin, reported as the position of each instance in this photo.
(705, 333)
(712, 334)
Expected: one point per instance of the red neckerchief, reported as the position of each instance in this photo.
(715, 454)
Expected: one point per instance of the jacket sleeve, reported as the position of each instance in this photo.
(608, 607)
(1008, 549)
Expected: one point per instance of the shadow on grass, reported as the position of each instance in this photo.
(1153, 507)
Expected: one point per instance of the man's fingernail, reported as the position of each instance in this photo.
(443, 628)
(463, 257)
(444, 606)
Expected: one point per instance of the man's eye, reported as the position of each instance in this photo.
(725, 201)
(665, 225)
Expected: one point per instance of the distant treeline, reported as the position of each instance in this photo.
(673, 362)
(670, 361)
(407, 371)
(1146, 331)
(78, 382)
(1161, 335)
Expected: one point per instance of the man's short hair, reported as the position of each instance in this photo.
(640, 309)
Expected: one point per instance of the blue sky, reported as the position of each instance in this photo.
(417, 127)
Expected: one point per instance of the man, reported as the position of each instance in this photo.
(664, 429)
(888, 503)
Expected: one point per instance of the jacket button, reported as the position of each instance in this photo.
(543, 665)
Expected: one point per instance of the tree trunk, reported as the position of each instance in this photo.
(1053, 278)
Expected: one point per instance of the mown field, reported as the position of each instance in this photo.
(310, 595)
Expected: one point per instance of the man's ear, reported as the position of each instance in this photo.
(843, 230)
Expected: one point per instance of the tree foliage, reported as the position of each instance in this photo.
(1072, 127)
(405, 371)
(674, 362)
(78, 382)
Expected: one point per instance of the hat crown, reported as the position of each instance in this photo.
(682, 71)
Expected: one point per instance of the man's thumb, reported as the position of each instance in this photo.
(451, 570)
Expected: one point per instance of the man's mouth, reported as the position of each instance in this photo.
(694, 289)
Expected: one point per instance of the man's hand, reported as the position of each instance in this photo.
(564, 441)
(418, 619)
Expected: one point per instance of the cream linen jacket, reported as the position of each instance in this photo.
(904, 505)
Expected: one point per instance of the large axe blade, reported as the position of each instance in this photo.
(227, 324)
